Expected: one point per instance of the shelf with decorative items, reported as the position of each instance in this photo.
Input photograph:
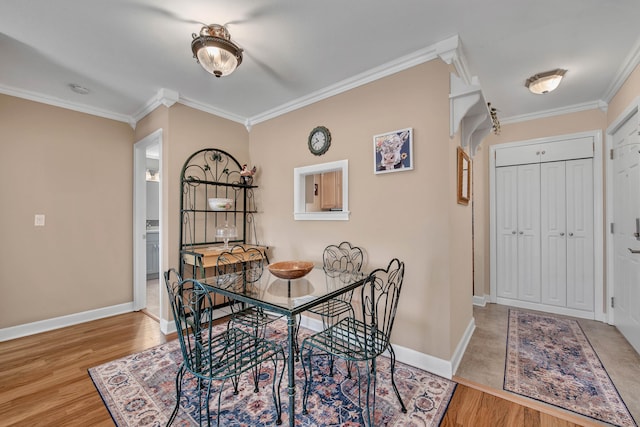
(217, 210)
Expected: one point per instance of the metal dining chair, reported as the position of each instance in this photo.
(361, 339)
(211, 356)
(338, 259)
(242, 267)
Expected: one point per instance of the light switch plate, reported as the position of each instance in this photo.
(39, 220)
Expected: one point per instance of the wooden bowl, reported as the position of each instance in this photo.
(290, 269)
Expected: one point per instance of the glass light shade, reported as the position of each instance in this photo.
(215, 51)
(217, 61)
(545, 82)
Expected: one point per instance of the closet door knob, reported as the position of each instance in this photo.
(570, 234)
(522, 232)
(543, 151)
(513, 232)
(562, 234)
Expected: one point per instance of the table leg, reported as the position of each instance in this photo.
(291, 388)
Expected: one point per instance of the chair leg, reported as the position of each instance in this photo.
(235, 381)
(179, 376)
(219, 403)
(276, 390)
(206, 402)
(393, 378)
(370, 406)
(308, 378)
(296, 347)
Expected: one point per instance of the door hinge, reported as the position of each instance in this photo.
(611, 153)
(611, 228)
(612, 302)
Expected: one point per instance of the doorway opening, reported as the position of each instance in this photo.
(147, 225)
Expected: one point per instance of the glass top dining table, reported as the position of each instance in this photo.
(288, 298)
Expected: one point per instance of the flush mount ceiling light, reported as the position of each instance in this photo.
(545, 82)
(214, 50)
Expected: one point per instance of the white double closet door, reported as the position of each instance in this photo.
(544, 234)
(566, 233)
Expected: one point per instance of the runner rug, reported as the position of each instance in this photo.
(551, 360)
(139, 390)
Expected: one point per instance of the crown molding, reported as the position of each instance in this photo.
(593, 105)
(442, 49)
(630, 63)
(56, 102)
(450, 51)
(211, 110)
(166, 97)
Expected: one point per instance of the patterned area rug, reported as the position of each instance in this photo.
(139, 390)
(550, 359)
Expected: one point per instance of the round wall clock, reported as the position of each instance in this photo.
(319, 140)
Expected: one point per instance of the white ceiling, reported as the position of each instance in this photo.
(127, 51)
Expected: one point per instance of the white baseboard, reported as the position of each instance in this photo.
(441, 367)
(462, 345)
(63, 321)
(426, 362)
(548, 308)
(480, 300)
(167, 326)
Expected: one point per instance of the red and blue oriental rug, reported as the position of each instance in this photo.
(139, 390)
(551, 360)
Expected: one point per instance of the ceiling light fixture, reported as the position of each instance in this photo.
(545, 82)
(214, 50)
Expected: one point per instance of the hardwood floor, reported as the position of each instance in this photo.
(44, 379)
(480, 406)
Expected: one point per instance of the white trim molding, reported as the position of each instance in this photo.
(480, 300)
(630, 63)
(57, 102)
(26, 329)
(576, 108)
(426, 362)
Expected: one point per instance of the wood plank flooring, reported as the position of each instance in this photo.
(44, 379)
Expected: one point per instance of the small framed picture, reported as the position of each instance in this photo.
(393, 151)
(464, 177)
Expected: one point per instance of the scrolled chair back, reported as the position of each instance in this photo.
(379, 296)
(342, 258)
(190, 302)
(245, 265)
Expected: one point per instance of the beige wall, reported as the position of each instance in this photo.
(75, 169)
(411, 215)
(185, 131)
